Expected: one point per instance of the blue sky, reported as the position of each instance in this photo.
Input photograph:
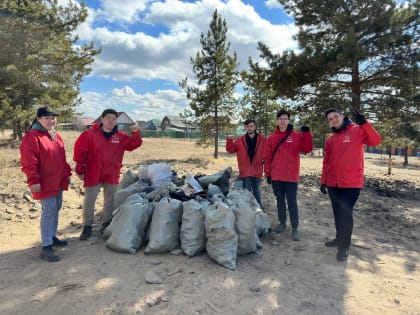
(147, 46)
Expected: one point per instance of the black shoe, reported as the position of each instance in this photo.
(58, 242)
(332, 243)
(48, 254)
(280, 228)
(295, 234)
(86, 233)
(104, 226)
(342, 254)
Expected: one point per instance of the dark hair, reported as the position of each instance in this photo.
(283, 112)
(109, 111)
(249, 121)
(333, 110)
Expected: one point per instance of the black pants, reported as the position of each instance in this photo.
(283, 191)
(343, 201)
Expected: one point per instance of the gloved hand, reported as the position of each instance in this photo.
(304, 129)
(323, 189)
(358, 117)
(269, 180)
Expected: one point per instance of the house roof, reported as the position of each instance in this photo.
(177, 122)
(84, 121)
(146, 125)
(122, 118)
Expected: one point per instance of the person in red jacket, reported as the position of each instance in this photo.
(43, 160)
(98, 153)
(250, 150)
(342, 171)
(282, 163)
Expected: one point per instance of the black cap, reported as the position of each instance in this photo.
(44, 111)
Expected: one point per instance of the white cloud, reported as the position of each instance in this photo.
(137, 106)
(125, 11)
(273, 4)
(166, 55)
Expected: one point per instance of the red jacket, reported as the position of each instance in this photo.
(284, 166)
(99, 158)
(246, 167)
(343, 157)
(44, 162)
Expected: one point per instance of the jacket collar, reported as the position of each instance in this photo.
(37, 126)
(346, 123)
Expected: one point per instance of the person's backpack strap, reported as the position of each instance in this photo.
(280, 142)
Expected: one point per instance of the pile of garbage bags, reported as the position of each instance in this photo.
(197, 213)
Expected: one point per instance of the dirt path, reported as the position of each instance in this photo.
(285, 277)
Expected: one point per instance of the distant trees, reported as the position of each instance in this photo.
(353, 55)
(259, 102)
(212, 96)
(364, 50)
(39, 61)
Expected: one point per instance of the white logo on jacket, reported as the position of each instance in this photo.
(346, 139)
(115, 139)
(289, 139)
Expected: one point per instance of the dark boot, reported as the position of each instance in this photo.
(86, 233)
(58, 242)
(342, 254)
(332, 243)
(280, 228)
(48, 254)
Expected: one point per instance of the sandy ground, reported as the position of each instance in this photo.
(381, 275)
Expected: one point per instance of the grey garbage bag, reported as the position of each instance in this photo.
(164, 228)
(193, 230)
(222, 240)
(213, 190)
(129, 224)
(245, 220)
(220, 179)
(162, 191)
(122, 194)
(237, 184)
(262, 220)
(128, 179)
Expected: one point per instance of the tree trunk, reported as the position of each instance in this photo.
(389, 161)
(405, 155)
(355, 87)
(216, 135)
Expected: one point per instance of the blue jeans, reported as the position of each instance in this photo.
(253, 185)
(283, 191)
(49, 217)
(343, 201)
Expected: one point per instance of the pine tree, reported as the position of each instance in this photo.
(39, 61)
(212, 98)
(364, 49)
(259, 102)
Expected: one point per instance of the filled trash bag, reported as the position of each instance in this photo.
(164, 228)
(128, 179)
(222, 240)
(164, 190)
(220, 179)
(245, 224)
(128, 227)
(193, 230)
(122, 194)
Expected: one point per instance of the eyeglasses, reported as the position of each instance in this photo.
(283, 119)
(334, 117)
